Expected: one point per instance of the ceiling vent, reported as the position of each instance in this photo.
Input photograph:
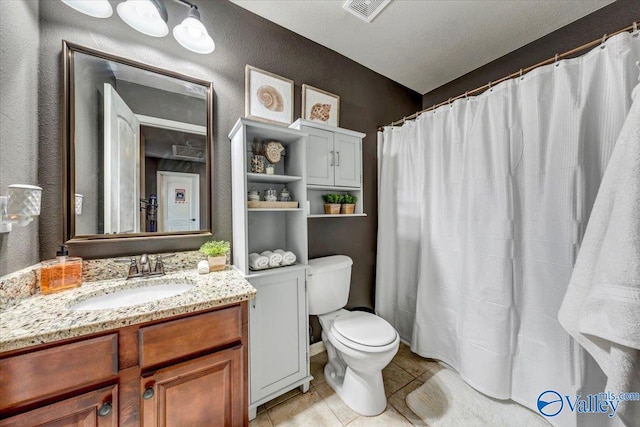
(188, 153)
(365, 9)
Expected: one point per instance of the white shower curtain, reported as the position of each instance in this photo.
(482, 207)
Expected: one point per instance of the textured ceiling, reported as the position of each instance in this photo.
(425, 44)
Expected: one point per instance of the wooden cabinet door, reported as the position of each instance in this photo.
(277, 333)
(320, 157)
(203, 392)
(94, 409)
(348, 160)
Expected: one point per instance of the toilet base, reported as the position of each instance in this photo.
(364, 393)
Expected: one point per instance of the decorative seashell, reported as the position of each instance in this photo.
(273, 151)
(270, 98)
(320, 112)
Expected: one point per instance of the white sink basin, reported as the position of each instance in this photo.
(131, 297)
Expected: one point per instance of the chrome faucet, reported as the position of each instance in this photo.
(145, 266)
(145, 269)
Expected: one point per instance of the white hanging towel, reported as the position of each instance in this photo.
(601, 308)
(274, 258)
(258, 262)
(288, 257)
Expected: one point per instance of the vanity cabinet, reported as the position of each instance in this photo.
(206, 391)
(278, 319)
(188, 370)
(333, 164)
(97, 408)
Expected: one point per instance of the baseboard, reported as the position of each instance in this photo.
(316, 348)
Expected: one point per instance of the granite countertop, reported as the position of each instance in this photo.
(43, 319)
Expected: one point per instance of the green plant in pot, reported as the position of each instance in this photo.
(216, 251)
(348, 204)
(332, 203)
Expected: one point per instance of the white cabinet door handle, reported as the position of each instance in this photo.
(333, 157)
(338, 163)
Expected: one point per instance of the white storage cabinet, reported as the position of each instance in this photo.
(334, 164)
(278, 316)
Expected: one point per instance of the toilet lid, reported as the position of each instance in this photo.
(365, 328)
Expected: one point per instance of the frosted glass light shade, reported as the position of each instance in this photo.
(146, 16)
(24, 203)
(95, 8)
(192, 35)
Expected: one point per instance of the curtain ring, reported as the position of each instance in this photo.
(449, 101)
(433, 108)
(466, 95)
(604, 38)
(556, 60)
(490, 90)
(635, 29)
(520, 73)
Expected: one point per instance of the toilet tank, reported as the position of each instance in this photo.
(328, 283)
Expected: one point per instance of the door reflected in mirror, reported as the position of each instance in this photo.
(139, 145)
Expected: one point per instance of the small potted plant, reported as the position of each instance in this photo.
(348, 204)
(332, 203)
(216, 251)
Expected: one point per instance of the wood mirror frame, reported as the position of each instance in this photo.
(178, 240)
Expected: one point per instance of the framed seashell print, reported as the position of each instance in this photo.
(320, 106)
(268, 97)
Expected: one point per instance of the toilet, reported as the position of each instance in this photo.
(359, 344)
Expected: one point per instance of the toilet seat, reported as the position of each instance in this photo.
(364, 332)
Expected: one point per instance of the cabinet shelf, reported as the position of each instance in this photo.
(274, 179)
(334, 215)
(274, 209)
(332, 188)
(276, 270)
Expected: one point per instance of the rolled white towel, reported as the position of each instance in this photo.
(258, 262)
(274, 258)
(288, 257)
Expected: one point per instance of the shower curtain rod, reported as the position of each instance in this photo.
(633, 27)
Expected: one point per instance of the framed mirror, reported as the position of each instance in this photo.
(138, 148)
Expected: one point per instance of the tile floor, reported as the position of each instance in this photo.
(321, 407)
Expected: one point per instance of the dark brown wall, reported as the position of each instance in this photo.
(367, 100)
(19, 40)
(607, 20)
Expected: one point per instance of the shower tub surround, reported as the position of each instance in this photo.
(29, 318)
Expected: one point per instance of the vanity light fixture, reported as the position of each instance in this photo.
(20, 206)
(150, 17)
(146, 16)
(192, 35)
(95, 8)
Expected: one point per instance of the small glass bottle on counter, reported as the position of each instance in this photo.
(62, 273)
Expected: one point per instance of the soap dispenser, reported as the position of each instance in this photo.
(62, 273)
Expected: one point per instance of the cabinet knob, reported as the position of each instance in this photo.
(105, 409)
(148, 393)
